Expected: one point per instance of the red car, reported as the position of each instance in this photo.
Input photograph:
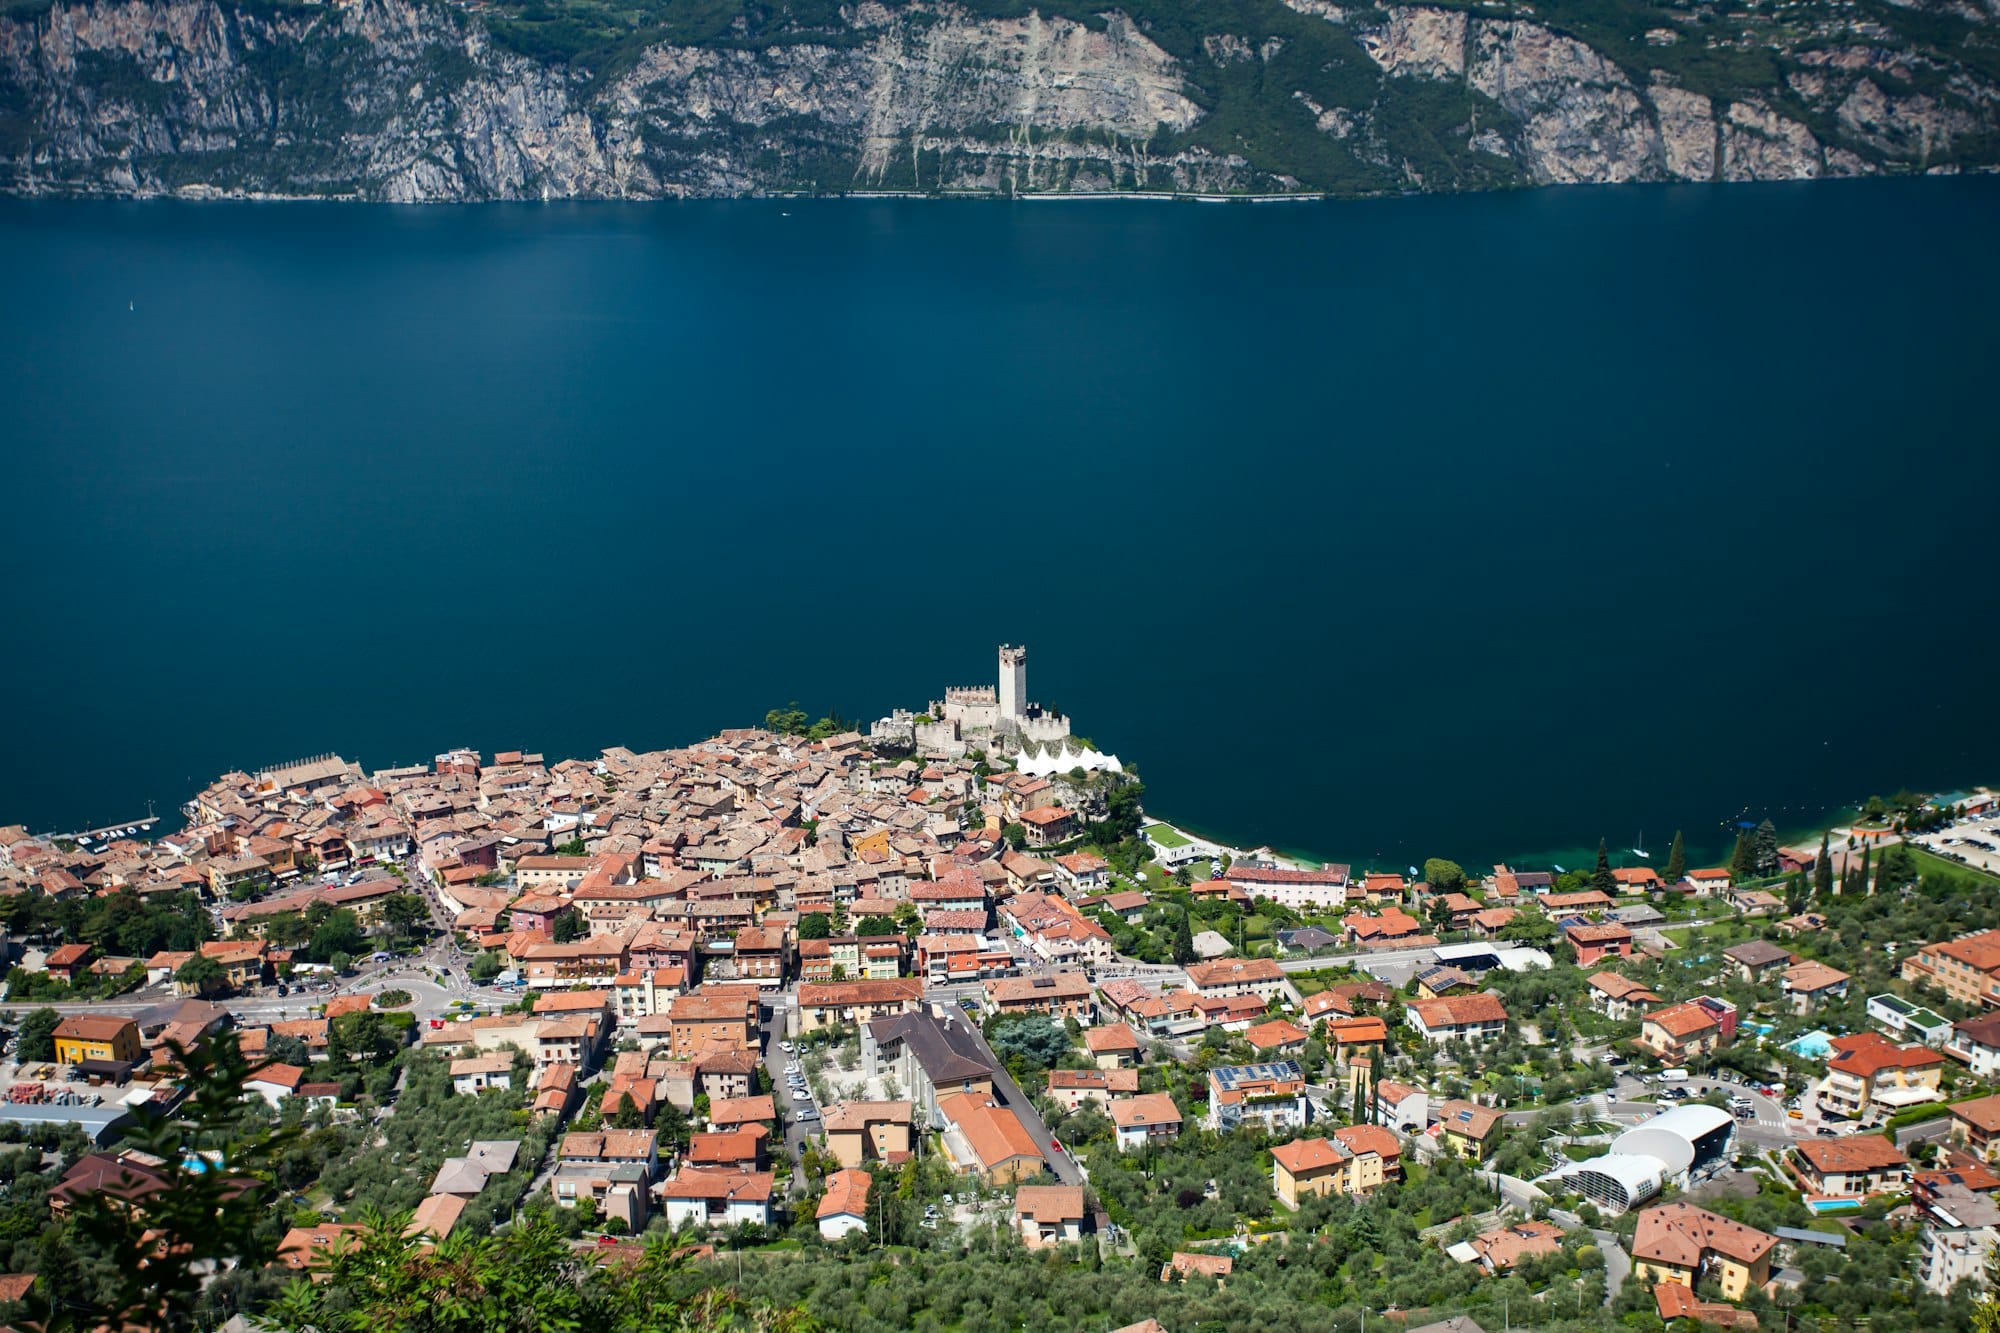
(1056, 1144)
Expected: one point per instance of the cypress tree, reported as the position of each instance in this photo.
(1741, 866)
(1823, 868)
(1861, 878)
(1183, 940)
(1602, 878)
(1677, 860)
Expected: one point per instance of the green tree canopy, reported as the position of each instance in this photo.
(1444, 876)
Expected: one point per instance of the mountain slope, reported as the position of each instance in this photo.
(429, 100)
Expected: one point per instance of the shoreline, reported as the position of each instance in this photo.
(207, 194)
(1834, 818)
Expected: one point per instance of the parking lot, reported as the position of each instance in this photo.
(1974, 842)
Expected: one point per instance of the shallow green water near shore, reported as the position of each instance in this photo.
(1461, 525)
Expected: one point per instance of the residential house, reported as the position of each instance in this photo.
(1756, 902)
(1976, 1043)
(1457, 1018)
(1967, 969)
(66, 962)
(1469, 1130)
(1392, 927)
(275, 1082)
(1683, 1244)
(1148, 1118)
(1975, 1126)
(1508, 1244)
(1187, 1264)
(646, 992)
(1112, 1045)
(1401, 1107)
(1595, 942)
(1618, 998)
(476, 1073)
(1301, 890)
(722, 1017)
(1961, 1229)
(843, 1209)
(1757, 961)
(1708, 882)
(1811, 983)
(1867, 1069)
(1680, 1032)
(1060, 995)
(984, 1138)
(721, 1199)
(1271, 1096)
(1858, 1164)
(858, 1132)
(1357, 1160)
(1306, 1168)
(850, 1003)
(1277, 1038)
(1071, 1088)
(1049, 1214)
(1226, 978)
(98, 1038)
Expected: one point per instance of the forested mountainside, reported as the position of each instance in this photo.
(510, 99)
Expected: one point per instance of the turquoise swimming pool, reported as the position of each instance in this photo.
(1813, 1045)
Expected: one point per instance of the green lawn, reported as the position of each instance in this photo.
(1932, 863)
(1165, 835)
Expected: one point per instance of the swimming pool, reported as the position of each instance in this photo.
(1813, 1045)
(1821, 1207)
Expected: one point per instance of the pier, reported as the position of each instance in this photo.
(109, 831)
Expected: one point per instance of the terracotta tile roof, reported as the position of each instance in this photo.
(1458, 1010)
(1982, 1113)
(846, 1194)
(1683, 1019)
(1152, 1108)
(1233, 971)
(1680, 1233)
(1855, 1152)
(1362, 1139)
(1110, 1037)
(1275, 1034)
(1302, 1156)
(1049, 1203)
(1866, 1054)
(994, 1133)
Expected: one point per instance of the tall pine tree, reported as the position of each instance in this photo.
(1601, 878)
(1823, 868)
(1764, 848)
(1862, 877)
(1677, 860)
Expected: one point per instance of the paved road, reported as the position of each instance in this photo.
(799, 1134)
(1617, 1263)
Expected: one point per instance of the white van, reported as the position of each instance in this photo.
(1673, 1076)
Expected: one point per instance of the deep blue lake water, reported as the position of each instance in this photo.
(1378, 530)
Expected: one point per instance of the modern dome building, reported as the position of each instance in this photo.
(1678, 1147)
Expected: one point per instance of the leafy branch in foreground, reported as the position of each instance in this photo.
(157, 1241)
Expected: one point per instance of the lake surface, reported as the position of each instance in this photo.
(1468, 526)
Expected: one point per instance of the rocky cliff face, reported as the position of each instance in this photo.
(414, 100)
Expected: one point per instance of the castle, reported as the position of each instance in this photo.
(998, 717)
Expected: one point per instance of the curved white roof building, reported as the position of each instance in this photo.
(1673, 1146)
(1050, 762)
